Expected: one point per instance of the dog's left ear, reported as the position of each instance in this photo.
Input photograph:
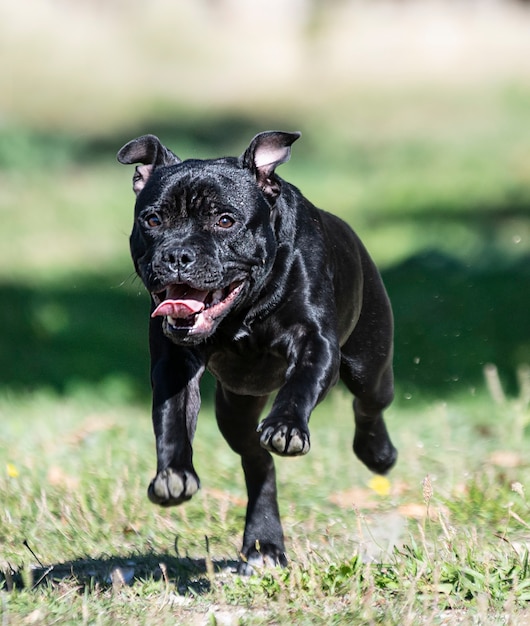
(267, 151)
(149, 151)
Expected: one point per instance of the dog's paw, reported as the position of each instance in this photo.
(284, 438)
(260, 558)
(170, 487)
(374, 449)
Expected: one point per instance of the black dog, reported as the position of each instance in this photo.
(268, 292)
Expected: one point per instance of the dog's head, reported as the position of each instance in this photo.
(203, 239)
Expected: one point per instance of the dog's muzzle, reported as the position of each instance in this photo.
(193, 310)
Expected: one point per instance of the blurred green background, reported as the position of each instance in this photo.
(416, 129)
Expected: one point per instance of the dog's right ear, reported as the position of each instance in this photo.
(266, 151)
(151, 153)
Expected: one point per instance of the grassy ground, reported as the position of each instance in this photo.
(437, 183)
(80, 541)
(81, 544)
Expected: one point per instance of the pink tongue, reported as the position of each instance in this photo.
(178, 308)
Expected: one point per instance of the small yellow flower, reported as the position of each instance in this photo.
(380, 484)
(12, 471)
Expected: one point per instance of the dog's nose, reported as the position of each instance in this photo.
(181, 258)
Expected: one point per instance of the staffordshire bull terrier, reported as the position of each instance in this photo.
(271, 294)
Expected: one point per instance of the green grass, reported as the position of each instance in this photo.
(438, 187)
(78, 501)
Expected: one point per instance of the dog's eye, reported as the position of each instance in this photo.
(153, 220)
(225, 221)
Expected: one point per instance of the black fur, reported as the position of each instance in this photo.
(272, 295)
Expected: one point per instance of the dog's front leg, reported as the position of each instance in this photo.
(313, 368)
(175, 376)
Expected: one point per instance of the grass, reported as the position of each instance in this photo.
(449, 243)
(82, 544)
(436, 180)
(80, 541)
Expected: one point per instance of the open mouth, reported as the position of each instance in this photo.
(191, 309)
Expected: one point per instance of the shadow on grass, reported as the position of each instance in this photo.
(190, 135)
(450, 321)
(91, 331)
(185, 575)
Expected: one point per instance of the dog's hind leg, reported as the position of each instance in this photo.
(263, 542)
(366, 369)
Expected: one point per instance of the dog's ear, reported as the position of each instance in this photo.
(266, 151)
(151, 153)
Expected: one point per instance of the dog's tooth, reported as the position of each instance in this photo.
(171, 320)
(217, 296)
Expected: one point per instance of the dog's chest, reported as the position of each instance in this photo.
(252, 373)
